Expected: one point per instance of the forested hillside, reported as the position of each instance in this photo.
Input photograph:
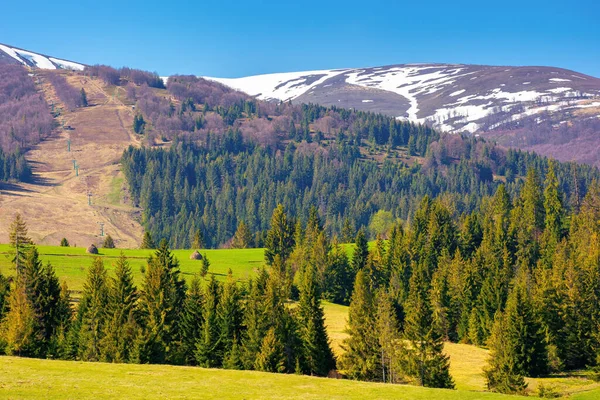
(24, 120)
(232, 159)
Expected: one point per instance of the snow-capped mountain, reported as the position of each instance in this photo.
(14, 55)
(452, 98)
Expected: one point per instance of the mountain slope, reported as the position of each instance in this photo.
(15, 55)
(453, 98)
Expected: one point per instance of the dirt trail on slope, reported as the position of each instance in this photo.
(56, 205)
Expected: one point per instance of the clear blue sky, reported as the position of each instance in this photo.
(236, 38)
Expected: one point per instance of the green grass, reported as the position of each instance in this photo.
(47, 379)
(72, 263)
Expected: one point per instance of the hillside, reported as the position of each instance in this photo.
(551, 110)
(55, 199)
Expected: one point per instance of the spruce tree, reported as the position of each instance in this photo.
(64, 242)
(109, 243)
(280, 237)
(19, 241)
(18, 328)
(427, 362)
(502, 373)
(209, 349)
(122, 323)
(92, 312)
(242, 239)
(388, 331)
(147, 242)
(229, 314)
(255, 319)
(198, 240)
(361, 252)
(271, 357)
(192, 321)
(161, 302)
(316, 354)
(362, 357)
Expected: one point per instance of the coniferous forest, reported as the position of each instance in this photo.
(473, 243)
(520, 276)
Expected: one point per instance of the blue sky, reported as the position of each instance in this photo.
(237, 38)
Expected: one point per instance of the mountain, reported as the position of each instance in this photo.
(15, 55)
(550, 110)
(451, 97)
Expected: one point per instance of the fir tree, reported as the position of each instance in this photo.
(19, 241)
(503, 374)
(198, 240)
(229, 314)
(317, 357)
(204, 266)
(161, 301)
(280, 238)
(242, 238)
(362, 357)
(209, 348)
(84, 100)
(426, 359)
(361, 252)
(18, 328)
(109, 243)
(147, 242)
(192, 321)
(122, 315)
(92, 312)
(271, 357)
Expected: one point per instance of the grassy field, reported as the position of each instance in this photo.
(45, 379)
(72, 263)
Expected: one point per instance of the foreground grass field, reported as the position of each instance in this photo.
(466, 362)
(45, 379)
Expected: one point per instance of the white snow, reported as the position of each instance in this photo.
(559, 80)
(11, 53)
(559, 90)
(453, 94)
(367, 101)
(39, 61)
(283, 86)
(67, 64)
(526, 83)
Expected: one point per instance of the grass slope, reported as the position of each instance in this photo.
(72, 263)
(48, 379)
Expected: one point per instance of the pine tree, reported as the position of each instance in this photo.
(362, 357)
(109, 243)
(19, 241)
(122, 323)
(280, 238)
(426, 359)
(317, 357)
(147, 242)
(92, 312)
(242, 238)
